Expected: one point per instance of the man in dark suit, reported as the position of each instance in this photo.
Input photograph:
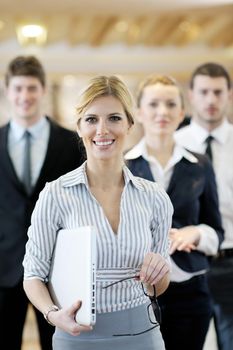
(210, 132)
(33, 150)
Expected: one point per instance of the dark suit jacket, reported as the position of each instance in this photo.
(63, 155)
(193, 193)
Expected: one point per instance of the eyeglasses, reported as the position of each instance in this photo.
(152, 309)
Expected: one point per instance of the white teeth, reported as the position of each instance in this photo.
(104, 143)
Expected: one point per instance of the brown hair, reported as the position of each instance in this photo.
(213, 70)
(25, 66)
(157, 79)
(101, 86)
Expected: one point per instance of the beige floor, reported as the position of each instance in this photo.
(30, 335)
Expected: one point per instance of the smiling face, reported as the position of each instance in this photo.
(103, 128)
(160, 110)
(25, 94)
(209, 98)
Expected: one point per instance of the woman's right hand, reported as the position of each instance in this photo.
(65, 320)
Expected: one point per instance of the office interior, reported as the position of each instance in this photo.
(76, 40)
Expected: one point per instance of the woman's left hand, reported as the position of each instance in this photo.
(154, 268)
(186, 239)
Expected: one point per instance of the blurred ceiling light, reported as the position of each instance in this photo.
(191, 30)
(185, 26)
(194, 32)
(122, 26)
(31, 34)
(134, 31)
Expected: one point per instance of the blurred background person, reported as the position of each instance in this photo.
(210, 132)
(33, 150)
(196, 226)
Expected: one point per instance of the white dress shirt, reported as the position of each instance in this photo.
(193, 137)
(39, 144)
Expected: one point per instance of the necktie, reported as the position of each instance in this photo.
(208, 150)
(27, 162)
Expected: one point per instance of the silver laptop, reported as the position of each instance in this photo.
(73, 272)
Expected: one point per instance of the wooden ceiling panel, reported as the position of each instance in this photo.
(100, 28)
(58, 28)
(79, 30)
(224, 33)
(206, 27)
(171, 25)
(7, 28)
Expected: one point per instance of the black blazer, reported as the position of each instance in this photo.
(64, 154)
(193, 193)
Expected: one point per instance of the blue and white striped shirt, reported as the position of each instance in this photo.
(145, 219)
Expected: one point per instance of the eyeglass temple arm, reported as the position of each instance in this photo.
(123, 279)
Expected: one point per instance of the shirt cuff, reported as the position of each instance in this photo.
(208, 242)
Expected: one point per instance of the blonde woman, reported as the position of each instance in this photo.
(196, 227)
(132, 216)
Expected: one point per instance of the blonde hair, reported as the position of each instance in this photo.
(101, 86)
(158, 79)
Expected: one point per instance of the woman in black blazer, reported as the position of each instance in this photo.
(196, 229)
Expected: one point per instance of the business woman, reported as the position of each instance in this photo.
(132, 217)
(196, 228)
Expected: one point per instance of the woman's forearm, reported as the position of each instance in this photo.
(38, 294)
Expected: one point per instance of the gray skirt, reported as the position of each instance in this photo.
(107, 325)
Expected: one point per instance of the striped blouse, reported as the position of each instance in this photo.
(145, 219)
